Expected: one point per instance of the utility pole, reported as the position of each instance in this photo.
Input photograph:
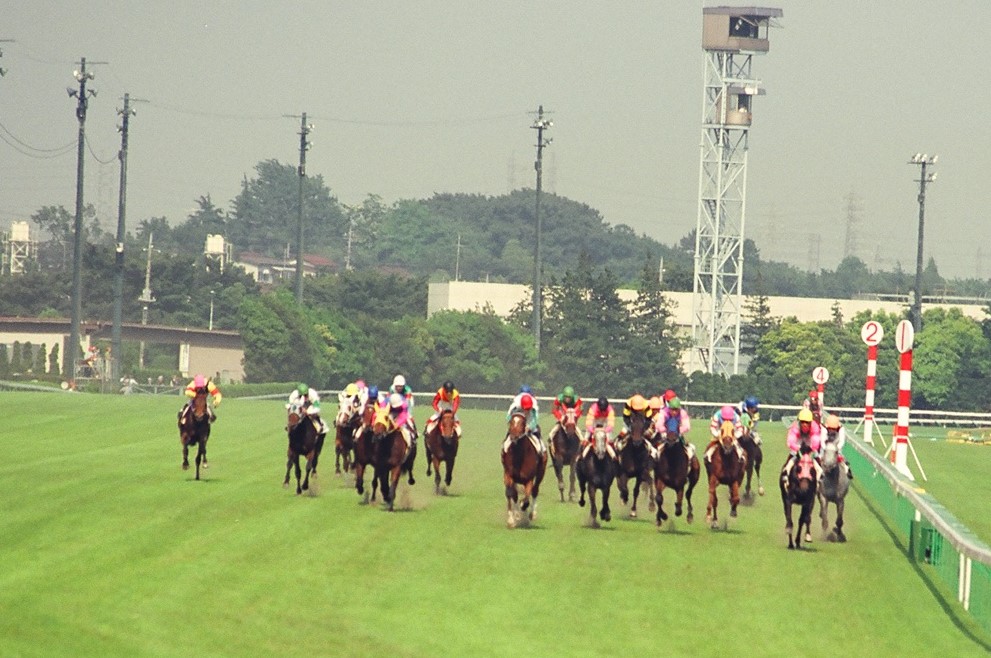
(457, 261)
(853, 209)
(923, 161)
(116, 347)
(304, 146)
(540, 125)
(145, 299)
(347, 258)
(82, 102)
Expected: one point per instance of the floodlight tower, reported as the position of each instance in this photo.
(731, 36)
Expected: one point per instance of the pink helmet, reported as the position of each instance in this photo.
(360, 383)
(727, 412)
(199, 381)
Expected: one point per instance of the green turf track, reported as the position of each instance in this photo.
(107, 548)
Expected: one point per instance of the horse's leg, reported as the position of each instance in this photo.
(203, 441)
(710, 512)
(823, 512)
(734, 497)
(622, 485)
(840, 537)
(581, 490)
(559, 472)
(659, 500)
(199, 457)
(593, 509)
(430, 459)
(299, 474)
(511, 495)
(434, 460)
(758, 460)
(395, 474)
(530, 492)
(285, 483)
(571, 479)
(359, 478)
(693, 478)
(337, 457)
(605, 514)
(310, 463)
(185, 456)
(750, 472)
(449, 470)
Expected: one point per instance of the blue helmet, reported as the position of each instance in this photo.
(373, 392)
(526, 389)
(751, 402)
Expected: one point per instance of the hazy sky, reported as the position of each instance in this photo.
(411, 98)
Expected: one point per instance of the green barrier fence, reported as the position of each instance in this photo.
(934, 538)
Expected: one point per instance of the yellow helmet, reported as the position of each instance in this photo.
(805, 416)
(351, 389)
(638, 402)
(832, 422)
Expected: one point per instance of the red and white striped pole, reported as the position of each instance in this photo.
(904, 339)
(871, 333)
(820, 376)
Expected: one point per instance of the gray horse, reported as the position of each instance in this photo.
(833, 489)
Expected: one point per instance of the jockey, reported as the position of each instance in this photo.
(600, 414)
(835, 433)
(308, 400)
(637, 403)
(528, 407)
(351, 398)
(447, 397)
(399, 386)
(525, 390)
(803, 435)
(673, 416)
(207, 386)
(401, 418)
(726, 412)
(750, 406)
(723, 414)
(668, 395)
(812, 404)
(562, 403)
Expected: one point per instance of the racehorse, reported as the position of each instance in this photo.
(348, 420)
(302, 443)
(194, 428)
(442, 442)
(523, 464)
(391, 455)
(363, 456)
(724, 465)
(634, 459)
(673, 469)
(755, 456)
(833, 489)
(800, 490)
(596, 470)
(564, 450)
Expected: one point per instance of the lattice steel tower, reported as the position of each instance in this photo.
(731, 36)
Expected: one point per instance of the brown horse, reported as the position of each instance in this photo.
(724, 465)
(800, 490)
(755, 457)
(442, 441)
(302, 443)
(194, 428)
(347, 422)
(674, 470)
(363, 456)
(565, 446)
(523, 464)
(391, 455)
(596, 470)
(634, 459)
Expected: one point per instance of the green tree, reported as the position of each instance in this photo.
(280, 343)
(15, 358)
(4, 361)
(654, 337)
(951, 362)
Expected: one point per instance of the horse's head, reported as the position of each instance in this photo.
(294, 416)
(446, 423)
(830, 456)
(517, 426)
(570, 420)
(599, 441)
(726, 433)
(638, 426)
(803, 472)
(382, 423)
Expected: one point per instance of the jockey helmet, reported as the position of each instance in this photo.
(751, 402)
(674, 403)
(568, 393)
(199, 381)
(526, 402)
(373, 392)
(638, 402)
(395, 401)
(602, 403)
(448, 386)
(399, 380)
(805, 416)
(303, 389)
(360, 384)
(814, 394)
(655, 402)
(350, 390)
(526, 389)
(669, 394)
(832, 422)
(727, 412)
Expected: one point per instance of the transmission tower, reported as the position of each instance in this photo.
(730, 38)
(854, 210)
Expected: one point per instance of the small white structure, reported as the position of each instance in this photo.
(18, 248)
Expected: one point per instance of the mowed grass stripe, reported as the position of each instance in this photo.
(111, 549)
